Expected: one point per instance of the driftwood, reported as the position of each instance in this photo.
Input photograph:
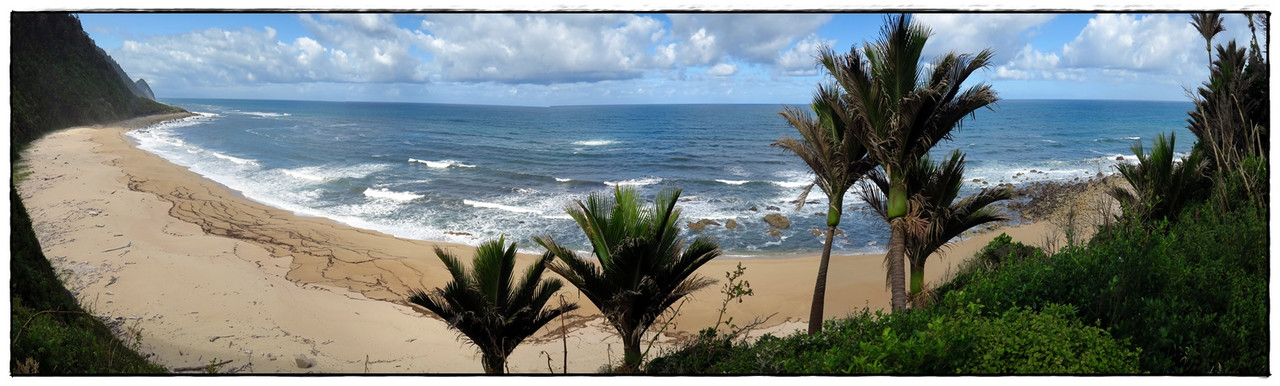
(200, 368)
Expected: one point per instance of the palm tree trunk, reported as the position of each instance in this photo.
(917, 282)
(630, 354)
(493, 364)
(897, 280)
(820, 285)
(897, 210)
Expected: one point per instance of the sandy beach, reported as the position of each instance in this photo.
(203, 274)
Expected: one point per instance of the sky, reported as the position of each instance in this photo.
(546, 59)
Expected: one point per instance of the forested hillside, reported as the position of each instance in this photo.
(59, 78)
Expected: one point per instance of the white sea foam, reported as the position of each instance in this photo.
(563, 179)
(237, 160)
(733, 182)
(596, 142)
(442, 164)
(635, 182)
(264, 115)
(391, 195)
(490, 205)
(301, 175)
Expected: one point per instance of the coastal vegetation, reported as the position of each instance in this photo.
(838, 160)
(934, 188)
(1178, 284)
(494, 312)
(899, 109)
(641, 265)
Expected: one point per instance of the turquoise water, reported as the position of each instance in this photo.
(464, 174)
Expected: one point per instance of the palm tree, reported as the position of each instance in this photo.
(642, 267)
(837, 161)
(483, 305)
(901, 111)
(1209, 24)
(1160, 186)
(934, 188)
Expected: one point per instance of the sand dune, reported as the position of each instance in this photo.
(203, 273)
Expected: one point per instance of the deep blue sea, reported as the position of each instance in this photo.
(463, 173)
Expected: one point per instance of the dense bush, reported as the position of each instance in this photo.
(953, 339)
(1192, 296)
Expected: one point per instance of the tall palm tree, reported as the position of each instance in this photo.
(642, 267)
(902, 110)
(1161, 187)
(1209, 24)
(934, 187)
(837, 160)
(484, 305)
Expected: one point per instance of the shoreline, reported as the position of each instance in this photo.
(260, 285)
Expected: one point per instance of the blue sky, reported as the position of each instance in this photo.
(615, 58)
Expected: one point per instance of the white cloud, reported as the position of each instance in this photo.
(543, 48)
(970, 33)
(723, 69)
(754, 38)
(1154, 43)
(217, 57)
(799, 60)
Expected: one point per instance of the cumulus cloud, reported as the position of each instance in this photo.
(224, 57)
(543, 48)
(754, 38)
(799, 60)
(1154, 43)
(970, 33)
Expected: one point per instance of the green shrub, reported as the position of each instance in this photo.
(1192, 296)
(944, 340)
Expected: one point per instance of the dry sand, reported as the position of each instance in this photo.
(201, 273)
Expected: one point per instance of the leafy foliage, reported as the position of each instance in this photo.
(901, 109)
(959, 340)
(1160, 186)
(934, 188)
(642, 267)
(1192, 296)
(837, 160)
(487, 306)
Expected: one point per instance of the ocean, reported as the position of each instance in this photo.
(466, 173)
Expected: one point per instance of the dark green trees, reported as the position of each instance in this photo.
(487, 306)
(642, 267)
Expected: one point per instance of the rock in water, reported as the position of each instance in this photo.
(774, 232)
(731, 224)
(777, 220)
(698, 226)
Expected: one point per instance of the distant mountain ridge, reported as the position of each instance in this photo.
(134, 87)
(142, 86)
